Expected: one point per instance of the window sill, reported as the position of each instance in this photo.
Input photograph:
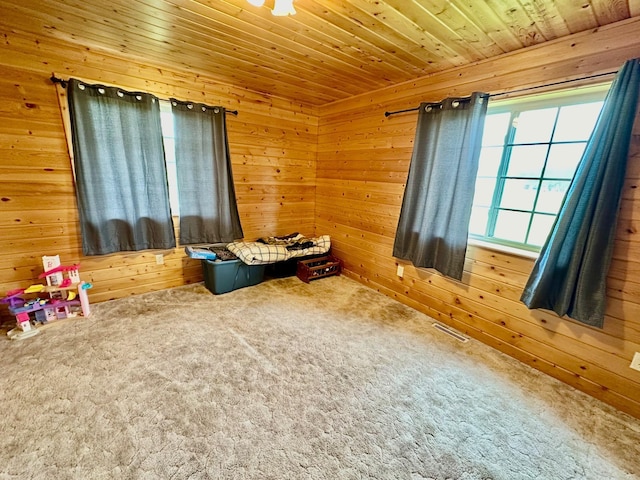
(503, 248)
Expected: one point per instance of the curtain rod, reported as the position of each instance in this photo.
(64, 83)
(386, 114)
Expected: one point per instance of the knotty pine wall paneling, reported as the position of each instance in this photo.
(363, 161)
(272, 144)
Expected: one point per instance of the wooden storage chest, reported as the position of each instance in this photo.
(315, 268)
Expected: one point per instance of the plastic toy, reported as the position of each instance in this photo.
(67, 298)
(23, 328)
(13, 299)
(34, 289)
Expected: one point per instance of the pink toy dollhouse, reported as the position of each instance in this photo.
(66, 297)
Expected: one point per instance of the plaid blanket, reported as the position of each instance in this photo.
(258, 253)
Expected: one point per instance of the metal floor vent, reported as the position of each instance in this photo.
(449, 331)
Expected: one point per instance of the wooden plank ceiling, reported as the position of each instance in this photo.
(329, 50)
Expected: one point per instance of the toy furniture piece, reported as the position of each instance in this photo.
(67, 298)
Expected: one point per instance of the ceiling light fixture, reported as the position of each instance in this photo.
(279, 8)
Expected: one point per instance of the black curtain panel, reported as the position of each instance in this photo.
(208, 208)
(570, 274)
(434, 220)
(121, 176)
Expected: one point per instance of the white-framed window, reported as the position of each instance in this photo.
(530, 150)
(168, 136)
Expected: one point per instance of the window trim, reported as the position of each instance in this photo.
(579, 95)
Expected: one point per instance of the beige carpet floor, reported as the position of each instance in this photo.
(286, 380)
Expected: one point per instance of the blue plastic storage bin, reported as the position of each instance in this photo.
(225, 276)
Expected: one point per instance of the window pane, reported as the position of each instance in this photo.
(519, 194)
(535, 126)
(531, 148)
(576, 122)
(495, 128)
(527, 161)
(173, 189)
(478, 221)
(551, 195)
(169, 150)
(511, 226)
(489, 161)
(166, 120)
(484, 191)
(563, 160)
(168, 134)
(540, 228)
(172, 174)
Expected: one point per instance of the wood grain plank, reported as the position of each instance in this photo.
(486, 302)
(547, 17)
(426, 23)
(275, 197)
(611, 11)
(362, 30)
(188, 29)
(327, 52)
(478, 13)
(485, 298)
(518, 20)
(54, 53)
(577, 19)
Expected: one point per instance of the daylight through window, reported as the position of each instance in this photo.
(168, 136)
(530, 150)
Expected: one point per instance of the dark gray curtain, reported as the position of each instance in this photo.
(208, 209)
(120, 169)
(569, 276)
(434, 220)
